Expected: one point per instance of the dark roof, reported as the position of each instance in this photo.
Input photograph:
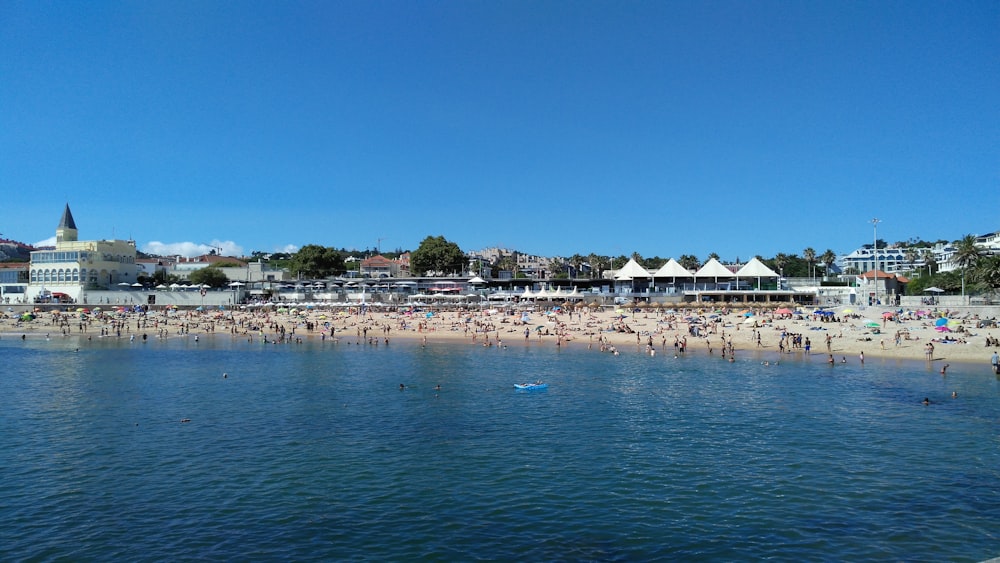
(67, 220)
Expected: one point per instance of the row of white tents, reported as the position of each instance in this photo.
(713, 269)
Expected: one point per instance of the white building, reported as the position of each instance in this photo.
(65, 272)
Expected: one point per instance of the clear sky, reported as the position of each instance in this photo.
(551, 127)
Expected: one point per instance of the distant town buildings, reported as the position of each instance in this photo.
(73, 267)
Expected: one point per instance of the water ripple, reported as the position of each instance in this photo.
(313, 453)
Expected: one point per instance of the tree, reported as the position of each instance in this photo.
(987, 273)
(689, 261)
(967, 255)
(967, 252)
(211, 276)
(315, 261)
(780, 261)
(162, 277)
(929, 260)
(911, 256)
(438, 255)
(828, 258)
(575, 261)
(810, 257)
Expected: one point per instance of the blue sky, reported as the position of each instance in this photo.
(554, 128)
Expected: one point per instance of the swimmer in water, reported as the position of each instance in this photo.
(944, 368)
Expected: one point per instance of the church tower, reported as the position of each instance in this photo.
(66, 231)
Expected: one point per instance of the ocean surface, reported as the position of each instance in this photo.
(312, 452)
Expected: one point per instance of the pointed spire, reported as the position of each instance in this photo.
(67, 220)
(66, 231)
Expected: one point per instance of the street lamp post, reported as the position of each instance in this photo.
(875, 223)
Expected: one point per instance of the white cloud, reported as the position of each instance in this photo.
(190, 249)
(51, 241)
(289, 248)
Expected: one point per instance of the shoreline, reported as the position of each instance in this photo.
(622, 332)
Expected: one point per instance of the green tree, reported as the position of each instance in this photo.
(689, 261)
(809, 255)
(575, 262)
(712, 256)
(211, 276)
(967, 255)
(967, 252)
(828, 258)
(929, 260)
(315, 261)
(780, 261)
(987, 273)
(162, 277)
(911, 255)
(437, 254)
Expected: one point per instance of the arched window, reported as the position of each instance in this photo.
(61, 275)
(76, 275)
(34, 276)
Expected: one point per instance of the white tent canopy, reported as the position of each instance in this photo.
(672, 269)
(632, 270)
(714, 269)
(756, 269)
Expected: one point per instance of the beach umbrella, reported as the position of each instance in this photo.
(888, 314)
(872, 324)
(846, 311)
(941, 322)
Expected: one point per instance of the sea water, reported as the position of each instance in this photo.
(119, 450)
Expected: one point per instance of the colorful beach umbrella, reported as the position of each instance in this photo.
(941, 322)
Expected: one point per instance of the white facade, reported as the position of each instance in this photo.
(73, 266)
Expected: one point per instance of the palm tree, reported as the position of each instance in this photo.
(967, 253)
(689, 261)
(712, 256)
(929, 260)
(780, 260)
(828, 258)
(595, 264)
(575, 261)
(810, 257)
(911, 256)
(987, 272)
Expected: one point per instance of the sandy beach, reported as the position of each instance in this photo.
(767, 335)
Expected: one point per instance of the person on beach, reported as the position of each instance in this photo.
(996, 362)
